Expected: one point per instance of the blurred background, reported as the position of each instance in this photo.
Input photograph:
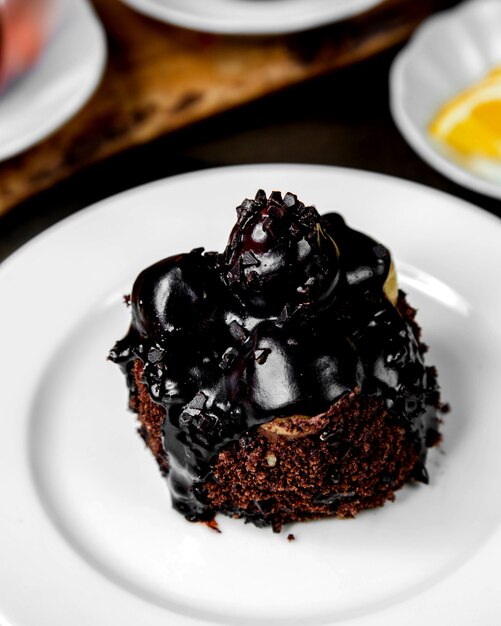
(103, 95)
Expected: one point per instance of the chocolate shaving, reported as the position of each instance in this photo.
(248, 259)
(198, 402)
(238, 332)
(263, 355)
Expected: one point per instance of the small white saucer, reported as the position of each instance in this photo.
(449, 52)
(58, 85)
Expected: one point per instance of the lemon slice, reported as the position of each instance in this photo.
(470, 123)
(390, 286)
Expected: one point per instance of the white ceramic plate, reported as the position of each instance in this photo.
(60, 83)
(87, 533)
(251, 17)
(449, 52)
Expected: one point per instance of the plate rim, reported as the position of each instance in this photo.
(186, 19)
(465, 206)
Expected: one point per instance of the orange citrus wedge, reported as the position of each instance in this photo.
(470, 123)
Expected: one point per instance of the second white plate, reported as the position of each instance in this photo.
(251, 17)
(59, 84)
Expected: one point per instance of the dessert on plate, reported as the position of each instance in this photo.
(283, 379)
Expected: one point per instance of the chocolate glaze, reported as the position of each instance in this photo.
(290, 318)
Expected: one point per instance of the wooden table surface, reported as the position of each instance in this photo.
(160, 78)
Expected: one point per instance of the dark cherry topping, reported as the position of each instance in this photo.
(290, 318)
(280, 253)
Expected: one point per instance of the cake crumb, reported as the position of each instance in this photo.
(212, 524)
(290, 537)
(271, 459)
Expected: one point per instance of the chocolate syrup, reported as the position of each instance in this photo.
(290, 318)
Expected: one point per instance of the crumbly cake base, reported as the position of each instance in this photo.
(353, 457)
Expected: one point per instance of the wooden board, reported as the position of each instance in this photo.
(160, 78)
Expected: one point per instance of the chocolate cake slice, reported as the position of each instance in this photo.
(283, 379)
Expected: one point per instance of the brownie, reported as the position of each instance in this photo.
(284, 379)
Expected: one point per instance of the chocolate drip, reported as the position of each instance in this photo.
(289, 319)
